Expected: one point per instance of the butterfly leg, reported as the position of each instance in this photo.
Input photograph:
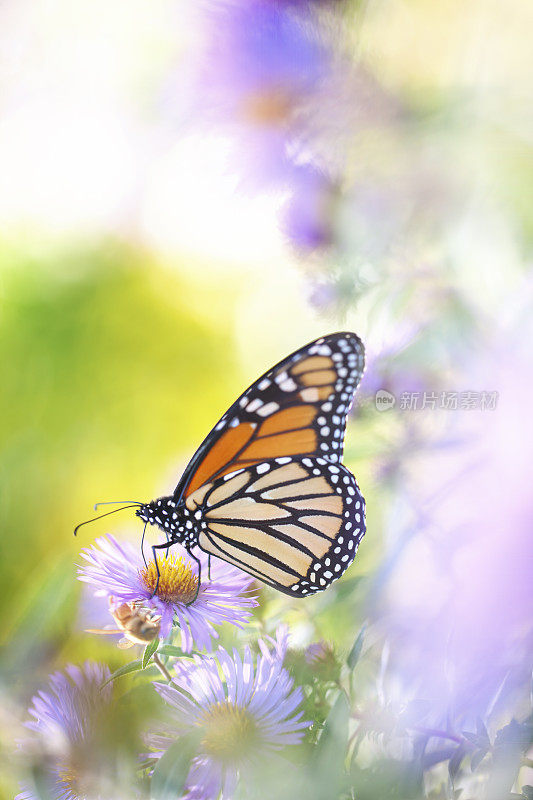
(155, 547)
(142, 545)
(199, 578)
(209, 567)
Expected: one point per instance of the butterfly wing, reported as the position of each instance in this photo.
(297, 408)
(294, 523)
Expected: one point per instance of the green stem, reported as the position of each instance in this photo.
(161, 667)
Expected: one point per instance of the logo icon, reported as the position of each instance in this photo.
(384, 400)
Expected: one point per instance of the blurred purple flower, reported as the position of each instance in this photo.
(460, 594)
(306, 4)
(308, 217)
(322, 296)
(393, 363)
(65, 717)
(243, 714)
(321, 661)
(118, 573)
(263, 66)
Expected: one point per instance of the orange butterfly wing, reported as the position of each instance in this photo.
(297, 408)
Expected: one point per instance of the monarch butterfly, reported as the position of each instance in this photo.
(266, 490)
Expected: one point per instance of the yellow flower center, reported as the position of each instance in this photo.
(80, 784)
(229, 732)
(69, 777)
(177, 584)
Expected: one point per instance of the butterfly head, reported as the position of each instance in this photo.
(148, 512)
(163, 512)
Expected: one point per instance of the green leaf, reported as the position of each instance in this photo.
(171, 770)
(41, 783)
(172, 650)
(133, 666)
(355, 652)
(149, 650)
(326, 771)
(334, 734)
(348, 586)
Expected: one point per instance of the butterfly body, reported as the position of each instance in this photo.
(172, 518)
(266, 490)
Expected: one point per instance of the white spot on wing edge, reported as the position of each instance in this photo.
(288, 385)
(255, 404)
(267, 409)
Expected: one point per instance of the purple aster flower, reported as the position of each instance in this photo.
(65, 721)
(119, 573)
(262, 69)
(243, 710)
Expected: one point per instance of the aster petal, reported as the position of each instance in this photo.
(229, 784)
(205, 780)
(247, 687)
(114, 569)
(183, 704)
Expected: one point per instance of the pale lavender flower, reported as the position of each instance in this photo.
(65, 718)
(118, 572)
(244, 714)
(308, 217)
(459, 587)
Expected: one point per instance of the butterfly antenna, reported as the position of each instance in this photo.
(132, 505)
(116, 503)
